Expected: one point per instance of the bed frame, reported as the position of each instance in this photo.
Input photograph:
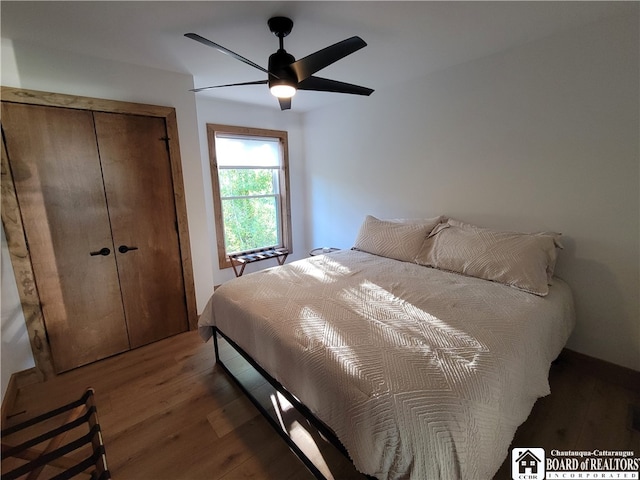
(321, 427)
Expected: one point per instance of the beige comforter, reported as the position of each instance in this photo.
(422, 374)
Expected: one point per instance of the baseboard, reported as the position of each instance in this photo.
(17, 380)
(606, 371)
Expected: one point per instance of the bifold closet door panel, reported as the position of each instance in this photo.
(139, 189)
(56, 170)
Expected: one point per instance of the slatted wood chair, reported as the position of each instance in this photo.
(29, 451)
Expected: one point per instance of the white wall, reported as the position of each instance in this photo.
(539, 137)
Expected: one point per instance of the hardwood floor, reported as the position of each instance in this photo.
(168, 413)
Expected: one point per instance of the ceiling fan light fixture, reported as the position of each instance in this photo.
(286, 75)
(283, 90)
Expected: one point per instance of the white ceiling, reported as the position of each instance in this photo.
(405, 39)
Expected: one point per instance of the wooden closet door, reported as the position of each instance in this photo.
(56, 171)
(139, 189)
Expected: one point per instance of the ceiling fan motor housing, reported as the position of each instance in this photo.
(280, 65)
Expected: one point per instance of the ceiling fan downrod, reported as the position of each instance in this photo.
(283, 82)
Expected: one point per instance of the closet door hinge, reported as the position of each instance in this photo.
(166, 142)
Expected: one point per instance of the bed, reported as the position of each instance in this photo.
(422, 359)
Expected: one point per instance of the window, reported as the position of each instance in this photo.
(250, 178)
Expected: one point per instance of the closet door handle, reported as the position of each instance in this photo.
(103, 251)
(125, 249)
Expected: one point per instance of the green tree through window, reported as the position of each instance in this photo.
(250, 210)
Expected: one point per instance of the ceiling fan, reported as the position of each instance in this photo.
(285, 74)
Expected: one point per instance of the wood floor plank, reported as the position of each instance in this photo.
(268, 464)
(142, 436)
(165, 458)
(234, 449)
(229, 417)
(167, 412)
(607, 420)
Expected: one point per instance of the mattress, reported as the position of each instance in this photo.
(421, 373)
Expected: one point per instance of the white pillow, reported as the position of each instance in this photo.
(521, 260)
(397, 239)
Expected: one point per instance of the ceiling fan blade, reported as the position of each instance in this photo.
(325, 85)
(285, 103)
(220, 48)
(257, 82)
(307, 66)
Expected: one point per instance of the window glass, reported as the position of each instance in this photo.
(247, 181)
(250, 223)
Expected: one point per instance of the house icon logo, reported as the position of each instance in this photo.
(527, 463)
